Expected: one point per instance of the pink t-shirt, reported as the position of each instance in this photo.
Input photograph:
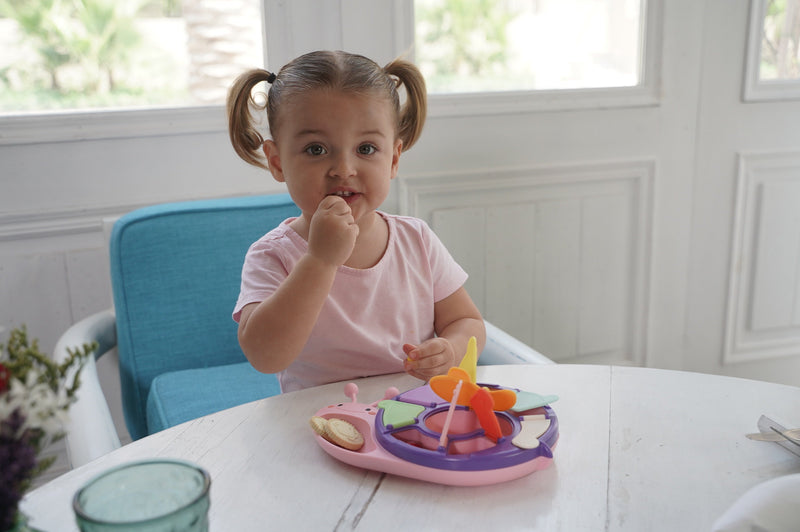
(369, 314)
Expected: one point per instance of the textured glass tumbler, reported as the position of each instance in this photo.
(151, 496)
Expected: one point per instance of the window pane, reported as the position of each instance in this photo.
(89, 54)
(780, 45)
(500, 45)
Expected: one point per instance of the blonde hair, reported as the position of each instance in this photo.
(341, 71)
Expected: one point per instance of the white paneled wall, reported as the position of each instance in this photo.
(558, 255)
(763, 319)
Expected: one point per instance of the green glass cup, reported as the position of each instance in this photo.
(147, 496)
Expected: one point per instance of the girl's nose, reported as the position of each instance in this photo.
(343, 166)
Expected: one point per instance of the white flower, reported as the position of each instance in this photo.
(42, 408)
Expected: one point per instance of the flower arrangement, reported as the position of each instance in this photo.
(35, 395)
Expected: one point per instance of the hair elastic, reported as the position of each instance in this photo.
(271, 77)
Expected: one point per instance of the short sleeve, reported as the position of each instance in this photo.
(263, 272)
(448, 275)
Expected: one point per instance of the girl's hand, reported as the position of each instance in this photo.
(333, 231)
(430, 358)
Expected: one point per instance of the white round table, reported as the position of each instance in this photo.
(639, 450)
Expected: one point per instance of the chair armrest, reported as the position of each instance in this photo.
(90, 429)
(502, 348)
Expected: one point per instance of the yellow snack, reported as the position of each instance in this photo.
(318, 425)
(343, 434)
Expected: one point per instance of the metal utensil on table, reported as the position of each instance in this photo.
(773, 431)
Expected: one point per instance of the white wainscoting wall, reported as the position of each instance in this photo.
(559, 255)
(763, 318)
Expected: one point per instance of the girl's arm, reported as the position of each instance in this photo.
(456, 319)
(273, 332)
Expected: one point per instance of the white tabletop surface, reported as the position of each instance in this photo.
(639, 450)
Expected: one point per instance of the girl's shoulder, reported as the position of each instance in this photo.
(281, 239)
(406, 224)
(410, 233)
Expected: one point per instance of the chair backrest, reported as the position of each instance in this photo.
(175, 273)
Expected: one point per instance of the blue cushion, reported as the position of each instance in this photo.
(180, 396)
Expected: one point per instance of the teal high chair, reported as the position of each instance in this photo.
(175, 274)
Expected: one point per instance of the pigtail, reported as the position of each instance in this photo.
(245, 138)
(414, 111)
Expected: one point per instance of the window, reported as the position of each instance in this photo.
(467, 46)
(773, 58)
(111, 54)
(780, 41)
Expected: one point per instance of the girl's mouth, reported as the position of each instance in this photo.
(347, 195)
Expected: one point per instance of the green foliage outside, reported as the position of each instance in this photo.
(91, 53)
(80, 47)
(781, 42)
(462, 40)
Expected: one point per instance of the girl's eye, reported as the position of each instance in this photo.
(367, 149)
(315, 149)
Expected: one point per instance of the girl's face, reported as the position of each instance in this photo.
(331, 142)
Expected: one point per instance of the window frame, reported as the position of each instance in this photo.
(68, 126)
(288, 34)
(754, 89)
(645, 94)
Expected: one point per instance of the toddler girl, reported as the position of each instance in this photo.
(343, 290)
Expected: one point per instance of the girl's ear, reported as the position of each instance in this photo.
(398, 149)
(273, 160)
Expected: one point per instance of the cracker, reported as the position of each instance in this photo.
(318, 425)
(344, 434)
